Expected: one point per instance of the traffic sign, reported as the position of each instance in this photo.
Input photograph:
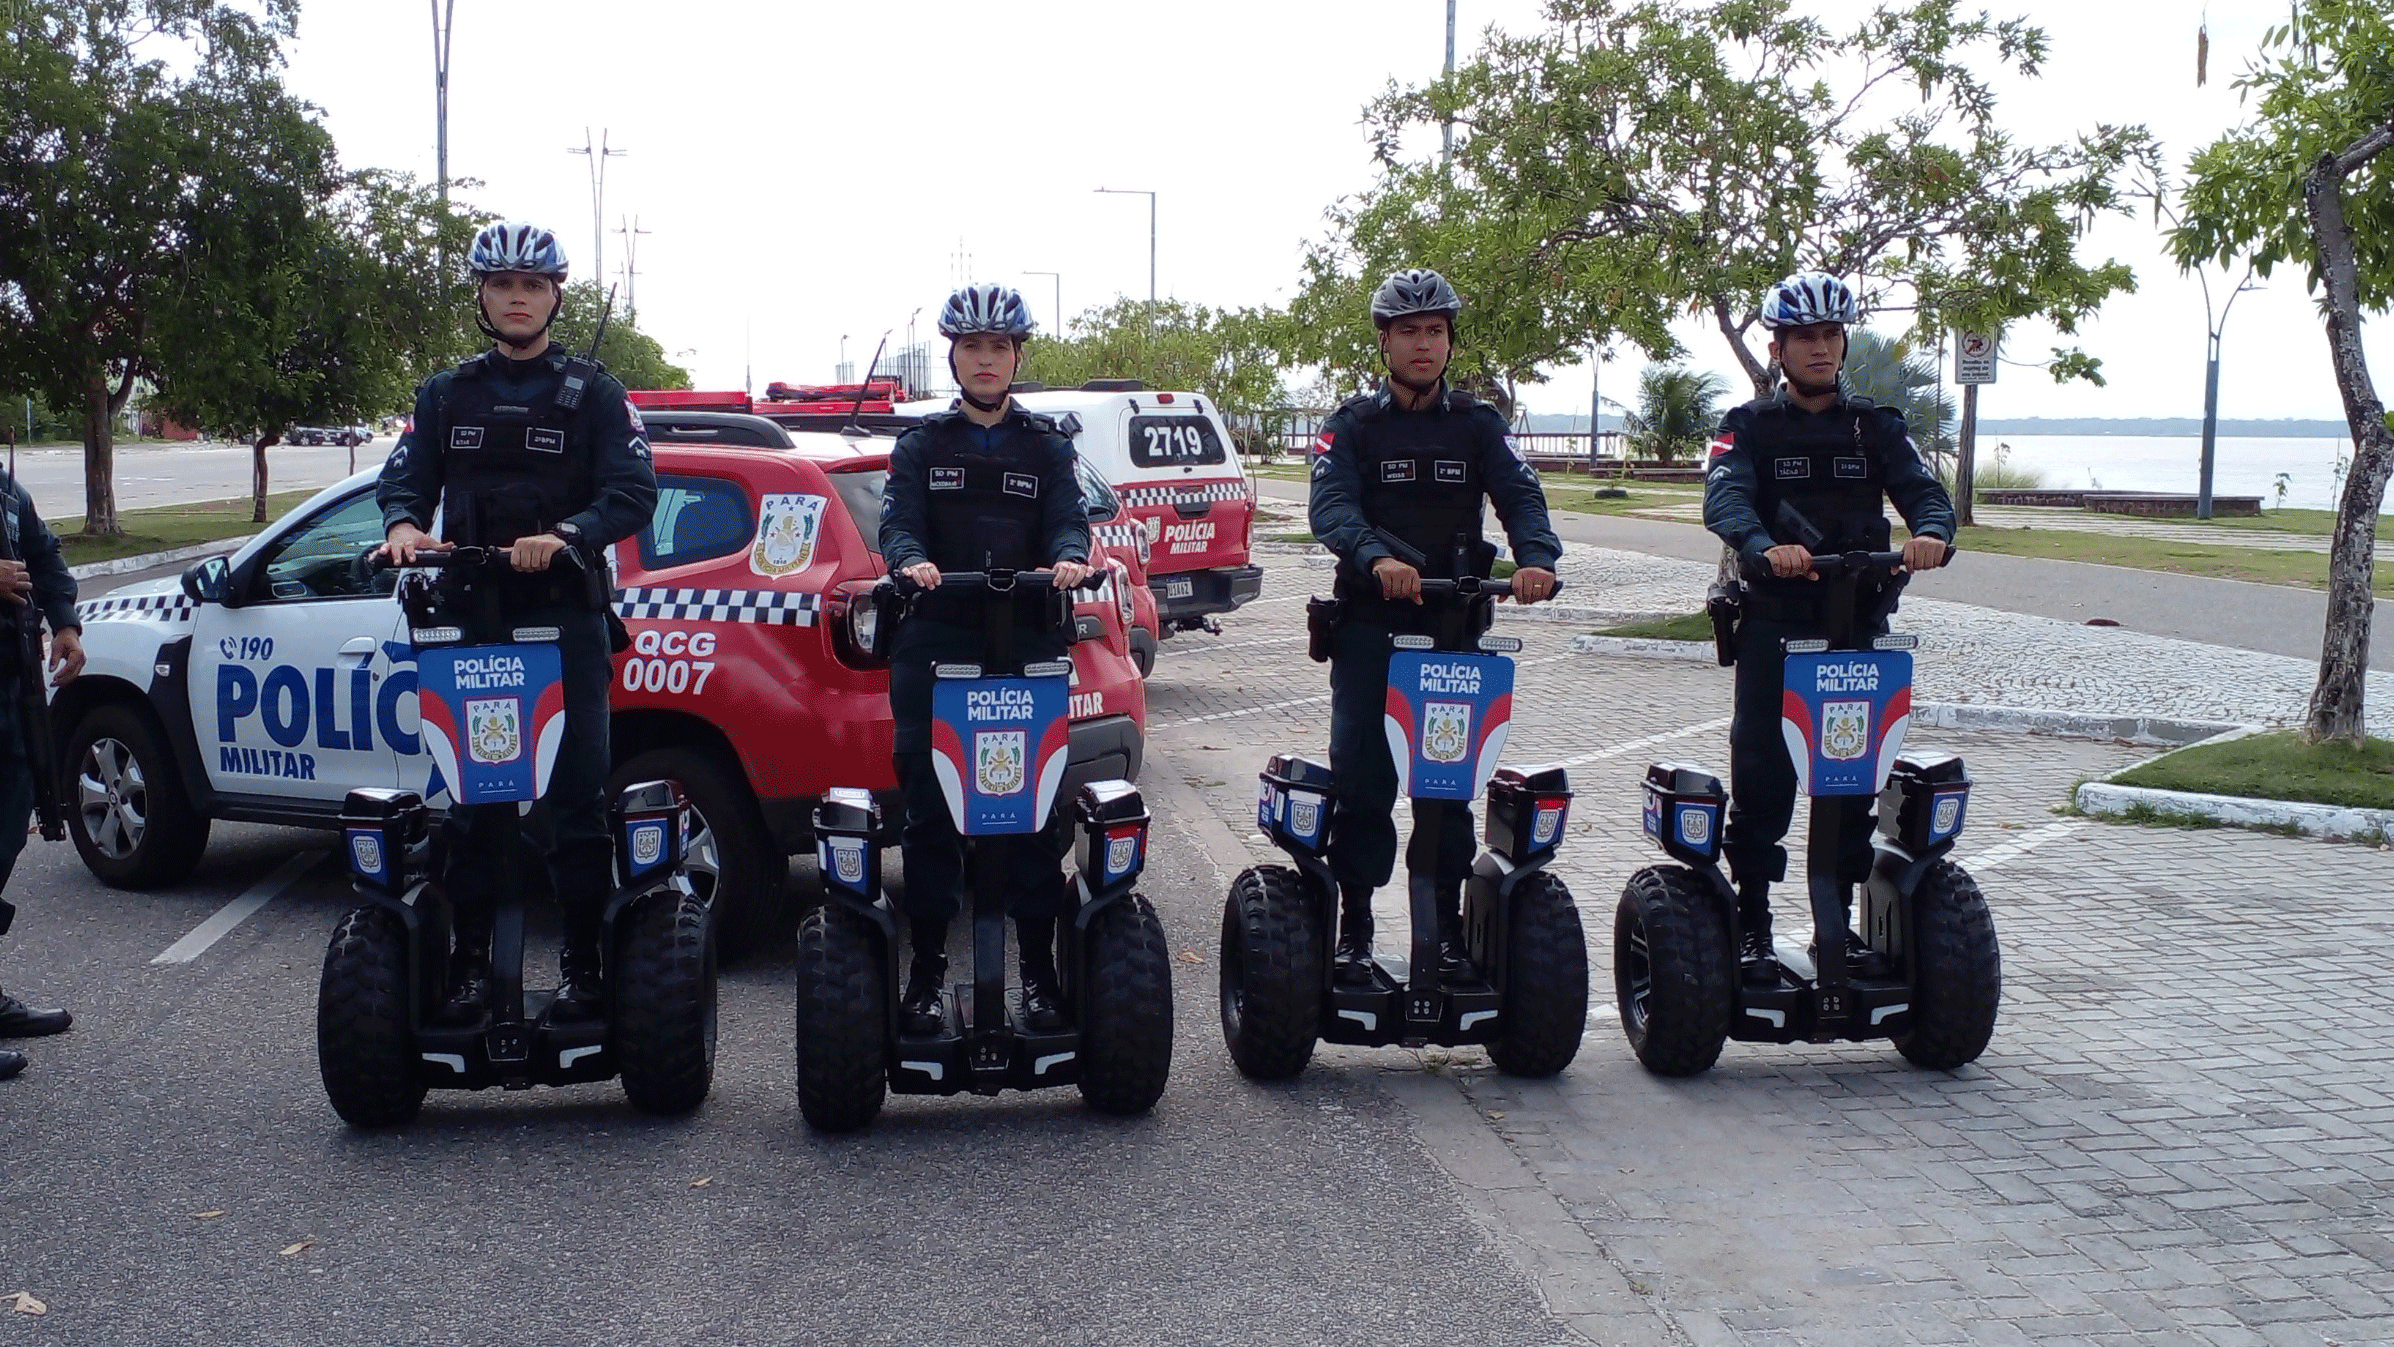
(1974, 358)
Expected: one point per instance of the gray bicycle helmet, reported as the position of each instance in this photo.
(512, 245)
(1809, 297)
(986, 308)
(1412, 291)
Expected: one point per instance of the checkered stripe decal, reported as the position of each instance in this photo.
(1125, 536)
(718, 605)
(1221, 488)
(139, 608)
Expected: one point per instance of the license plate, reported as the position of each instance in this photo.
(1179, 587)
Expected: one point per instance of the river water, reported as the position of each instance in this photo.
(2242, 467)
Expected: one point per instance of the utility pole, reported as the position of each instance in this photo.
(2213, 327)
(1446, 133)
(631, 231)
(1133, 191)
(1058, 278)
(598, 155)
(1595, 396)
(442, 12)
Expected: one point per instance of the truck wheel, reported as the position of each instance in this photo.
(1126, 1010)
(734, 864)
(1271, 973)
(1957, 975)
(132, 822)
(1673, 971)
(843, 1020)
(665, 1003)
(365, 1049)
(1545, 1008)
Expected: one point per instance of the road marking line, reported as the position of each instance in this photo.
(2023, 844)
(1650, 740)
(1248, 711)
(239, 910)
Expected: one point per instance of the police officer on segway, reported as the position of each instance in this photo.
(984, 486)
(1399, 478)
(1800, 473)
(526, 449)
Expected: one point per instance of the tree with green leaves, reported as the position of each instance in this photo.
(1678, 410)
(629, 354)
(134, 130)
(2310, 182)
(1895, 372)
(1224, 354)
(1633, 161)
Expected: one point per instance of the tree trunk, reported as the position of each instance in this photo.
(99, 459)
(2337, 703)
(257, 477)
(1757, 373)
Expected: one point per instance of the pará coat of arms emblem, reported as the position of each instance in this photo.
(998, 761)
(494, 729)
(1446, 731)
(1844, 730)
(785, 534)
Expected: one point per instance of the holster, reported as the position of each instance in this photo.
(1322, 617)
(1724, 604)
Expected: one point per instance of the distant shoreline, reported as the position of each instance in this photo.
(2163, 426)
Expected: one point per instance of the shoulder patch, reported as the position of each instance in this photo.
(1321, 444)
(639, 427)
(1722, 444)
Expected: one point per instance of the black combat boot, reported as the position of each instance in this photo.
(1454, 964)
(919, 1014)
(581, 989)
(1351, 966)
(1757, 960)
(469, 976)
(18, 1020)
(1042, 990)
(11, 1062)
(1861, 961)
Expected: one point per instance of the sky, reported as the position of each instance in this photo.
(812, 176)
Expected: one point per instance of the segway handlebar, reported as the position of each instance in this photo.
(998, 581)
(462, 557)
(1472, 586)
(1832, 566)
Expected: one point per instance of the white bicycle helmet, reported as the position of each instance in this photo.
(512, 245)
(1414, 290)
(986, 308)
(1809, 297)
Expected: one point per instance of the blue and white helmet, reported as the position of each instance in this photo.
(512, 245)
(985, 308)
(1809, 297)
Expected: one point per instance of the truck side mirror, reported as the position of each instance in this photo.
(204, 582)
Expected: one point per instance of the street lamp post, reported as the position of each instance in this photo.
(2213, 328)
(442, 12)
(598, 156)
(1133, 191)
(1058, 278)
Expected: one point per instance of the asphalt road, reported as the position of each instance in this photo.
(175, 474)
(2275, 619)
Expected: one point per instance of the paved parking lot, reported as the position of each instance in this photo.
(2179, 1135)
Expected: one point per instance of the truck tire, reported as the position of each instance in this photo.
(1545, 1006)
(132, 822)
(747, 879)
(843, 1020)
(365, 1049)
(1673, 971)
(1272, 951)
(665, 1002)
(1126, 1010)
(1957, 974)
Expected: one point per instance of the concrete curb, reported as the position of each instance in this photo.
(2336, 822)
(1645, 647)
(2147, 730)
(123, 565)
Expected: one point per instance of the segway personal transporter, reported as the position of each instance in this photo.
(1450, 702)
(1000, 731)
(493, 721)
(1847, 704)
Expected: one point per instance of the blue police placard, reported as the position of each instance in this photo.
(1447, 716)
(998, 746)
(494, 718)
(1843, 715)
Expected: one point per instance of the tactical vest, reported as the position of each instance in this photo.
(985, 506)
(1421, 486)
(513, 470)
(1827, 467)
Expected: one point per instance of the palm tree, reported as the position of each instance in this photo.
(1677, 411)
(1896, 373)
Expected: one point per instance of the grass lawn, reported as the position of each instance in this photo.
(2224, 561)
(1579, 494)
(1686, 627)
(168, 526)
(2277, 767)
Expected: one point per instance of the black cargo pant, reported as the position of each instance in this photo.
(1031, 865)
(1362, 821)
(570, 821)
(1762, 777)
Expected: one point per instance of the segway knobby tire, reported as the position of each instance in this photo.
(665, 1003)
(1271, 973)
(1674, 973)
(1126, 1010)
(1957, 978)
(1545, 1007)
(843, 1020)
(365, 1048)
